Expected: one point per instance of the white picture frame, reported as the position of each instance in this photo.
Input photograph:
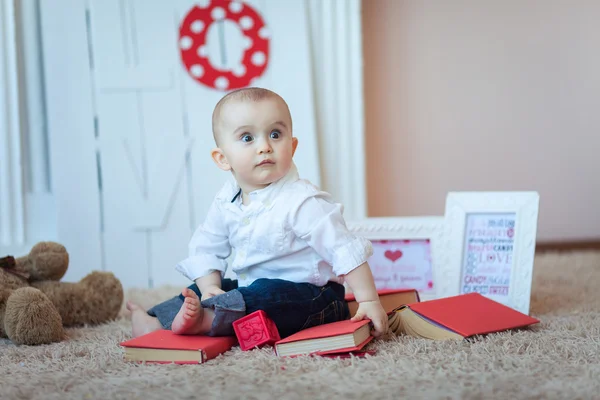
(417, 234)
(489, 245)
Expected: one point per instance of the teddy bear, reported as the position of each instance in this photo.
(35, 306)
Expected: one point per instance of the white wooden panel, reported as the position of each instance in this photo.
(167, 146)
(154, 34)
(342, 117)
(38, 203)
(167, 200)
(335, 32)
(33, 128)
(123, 186)
(11, 182)
(138, 78)
(143, 39)
(166, 172)
(355, 166)
(69, 94)
(170, 244)
(112, 43)
(143, 151)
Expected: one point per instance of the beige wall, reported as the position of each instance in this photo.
(484, 95)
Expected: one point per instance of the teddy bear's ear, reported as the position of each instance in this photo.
(7, 262)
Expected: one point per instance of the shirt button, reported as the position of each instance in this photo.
(266, 203)
(246, 221)
(242, 276)
(242, 254)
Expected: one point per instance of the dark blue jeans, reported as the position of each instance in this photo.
(291, 306)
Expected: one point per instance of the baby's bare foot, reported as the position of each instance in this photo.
(141, 322)
(189, 320)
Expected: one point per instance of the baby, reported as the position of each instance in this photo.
(292, 248)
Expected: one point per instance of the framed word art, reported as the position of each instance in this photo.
(405, 252)
(489, 245)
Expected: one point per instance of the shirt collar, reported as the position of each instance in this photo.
(231, 193)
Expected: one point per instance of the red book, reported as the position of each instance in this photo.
(457, 317)
(163, 346)
(390, 299)
(337, 337)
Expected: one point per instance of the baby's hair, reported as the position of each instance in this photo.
(250, 94)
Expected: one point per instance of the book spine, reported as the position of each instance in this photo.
(213, 350)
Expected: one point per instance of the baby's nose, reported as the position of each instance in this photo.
(265, 147)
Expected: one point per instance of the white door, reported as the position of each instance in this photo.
(130, 86)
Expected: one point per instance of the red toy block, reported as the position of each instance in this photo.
(255, 330)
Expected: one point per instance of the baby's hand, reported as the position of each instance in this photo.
(373, 311)
(211, 291)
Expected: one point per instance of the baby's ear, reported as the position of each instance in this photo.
(294, 145)
(220, 159)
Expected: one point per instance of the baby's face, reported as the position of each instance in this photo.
(256, 139)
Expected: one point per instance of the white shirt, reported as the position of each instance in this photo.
(290, 230)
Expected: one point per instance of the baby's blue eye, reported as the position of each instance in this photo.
(275, 134)
(247, 138)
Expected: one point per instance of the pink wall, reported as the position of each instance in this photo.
(472, 95)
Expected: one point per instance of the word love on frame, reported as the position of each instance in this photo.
(405, 252)
(489, 245)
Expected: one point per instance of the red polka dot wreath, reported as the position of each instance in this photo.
(193, 46)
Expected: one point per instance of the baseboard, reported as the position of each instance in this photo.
(567, 245)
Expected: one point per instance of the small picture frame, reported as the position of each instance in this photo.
(489, 245)
(405, 252)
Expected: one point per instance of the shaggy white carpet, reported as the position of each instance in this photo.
(557, 359)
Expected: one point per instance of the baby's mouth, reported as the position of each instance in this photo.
(265, 162)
